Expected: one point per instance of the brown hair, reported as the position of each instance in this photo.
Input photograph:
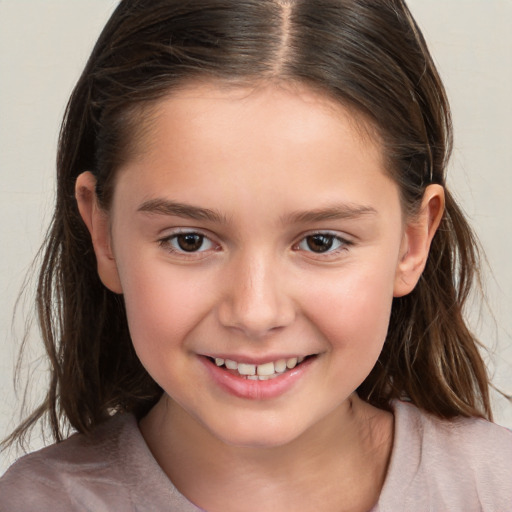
(368, 55)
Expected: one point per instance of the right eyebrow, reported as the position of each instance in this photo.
(160, 206)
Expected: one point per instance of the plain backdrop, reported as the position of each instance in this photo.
(43, 47)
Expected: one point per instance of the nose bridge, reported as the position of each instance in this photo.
(256, 301)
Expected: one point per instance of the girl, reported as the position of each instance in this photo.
(252, 288)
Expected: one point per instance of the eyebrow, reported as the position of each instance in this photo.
(336, 212)
(172, 208)
(186, 211)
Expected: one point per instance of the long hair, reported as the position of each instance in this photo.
(367, 54)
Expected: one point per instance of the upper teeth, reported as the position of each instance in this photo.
(265, 369)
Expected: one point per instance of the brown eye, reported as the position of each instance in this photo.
(323, 243)
(188, 245)
(320, 243)
(189, 242)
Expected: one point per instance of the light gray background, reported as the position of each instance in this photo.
(43, 47)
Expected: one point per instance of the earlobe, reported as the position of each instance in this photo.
(418, 235)
(97, 222)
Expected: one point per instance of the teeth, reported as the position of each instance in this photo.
(246, 369)
(261, 371)
(291, 363)
(231, 365)
(265, 369)
(280, 366)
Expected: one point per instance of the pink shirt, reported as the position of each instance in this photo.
(463, 465)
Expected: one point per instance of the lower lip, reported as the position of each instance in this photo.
(256, 389)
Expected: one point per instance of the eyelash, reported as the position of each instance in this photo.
(343, 244)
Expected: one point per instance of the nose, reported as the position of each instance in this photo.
(256, 300)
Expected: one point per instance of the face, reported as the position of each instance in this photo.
(257, 235)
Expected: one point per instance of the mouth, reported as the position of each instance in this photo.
(265, 371)
(258, 380)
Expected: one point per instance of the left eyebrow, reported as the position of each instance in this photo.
(185, 211)
(336, 212)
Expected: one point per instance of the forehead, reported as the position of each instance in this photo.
(279, 141)
(197, 103)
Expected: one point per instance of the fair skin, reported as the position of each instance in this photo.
(259, 226)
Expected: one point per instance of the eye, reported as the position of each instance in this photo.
(187, 243)
(320, 243)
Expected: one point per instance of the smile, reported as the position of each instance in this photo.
(263, 381)
(265, 371)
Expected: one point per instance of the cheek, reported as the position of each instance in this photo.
(352, 310)
(162, 305)
(353, 316)
(162, 310)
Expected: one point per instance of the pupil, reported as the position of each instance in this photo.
(190, 242)
(320, 243)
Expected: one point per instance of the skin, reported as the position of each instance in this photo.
(271, 163)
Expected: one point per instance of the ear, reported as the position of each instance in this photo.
(97, 221)
(418, 235)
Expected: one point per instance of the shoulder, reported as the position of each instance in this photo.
(82, 469)
(459, 464)
(479, 443)
(479, 435)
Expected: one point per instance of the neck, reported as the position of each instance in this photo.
(340, 462)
